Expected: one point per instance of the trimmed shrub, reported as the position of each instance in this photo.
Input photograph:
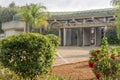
(111, 35)
(27, 54)
(54, 39)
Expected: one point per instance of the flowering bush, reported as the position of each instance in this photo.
(105, 62)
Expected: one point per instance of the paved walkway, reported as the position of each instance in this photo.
(68, 55)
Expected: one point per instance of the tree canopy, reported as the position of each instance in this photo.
(12, 5)
(34, 15)
(6, 14)
(116, 4)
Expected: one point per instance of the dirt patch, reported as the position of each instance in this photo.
(79, 70)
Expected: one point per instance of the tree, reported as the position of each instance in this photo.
(34, 16)
(116, 4)
(6, 14)
(111, 35)
(12, 5)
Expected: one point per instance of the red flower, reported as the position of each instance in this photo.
(97, 59)
(112, 57)
(98, 76)
(97, 51)
(104, 55)
(91, 65)
(94, 54)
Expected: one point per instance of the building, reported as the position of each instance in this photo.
(79, 28)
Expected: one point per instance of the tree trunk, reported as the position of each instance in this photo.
(30, 29)
(26, 28)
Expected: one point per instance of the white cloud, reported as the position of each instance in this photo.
(63, 5)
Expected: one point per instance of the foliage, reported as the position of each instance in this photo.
(6, 14)
(57, 78)
(6, 74)
(34, 15)
(111, 35)
(54, 39)
(12, 5)
(51, 31)
(27, 54)
(116, 4)
(118, 50)
(105, 62)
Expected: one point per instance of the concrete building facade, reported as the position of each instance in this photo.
(80, 28)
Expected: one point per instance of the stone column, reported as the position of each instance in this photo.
(25, 29)
(60, 35)
(84, 21)
(95, 36)
(105, 28)
(40, 30)
(83, 37)
(104, 19)
(78, 37)
(64, 35)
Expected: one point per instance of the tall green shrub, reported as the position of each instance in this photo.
(54, 39)
(28, 54)
(111, 35)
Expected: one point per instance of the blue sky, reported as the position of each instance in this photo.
(63, 5)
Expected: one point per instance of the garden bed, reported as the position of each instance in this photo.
(79, 70)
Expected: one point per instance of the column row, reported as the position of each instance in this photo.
(80, 36)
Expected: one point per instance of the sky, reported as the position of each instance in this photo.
(63, 5)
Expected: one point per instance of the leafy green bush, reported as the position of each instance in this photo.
(54, 39)
(118, 50)
(27, 54)
(51, 31)
(111, 35)
(105, 62)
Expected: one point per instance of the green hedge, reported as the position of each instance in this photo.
(28, 54)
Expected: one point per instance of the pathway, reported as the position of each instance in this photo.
(68, 55)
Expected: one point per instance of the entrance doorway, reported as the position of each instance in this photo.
(74, 36)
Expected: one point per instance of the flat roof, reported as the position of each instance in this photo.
(106, 11)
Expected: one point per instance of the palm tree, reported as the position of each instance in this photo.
(34, 16)
(116, 4)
